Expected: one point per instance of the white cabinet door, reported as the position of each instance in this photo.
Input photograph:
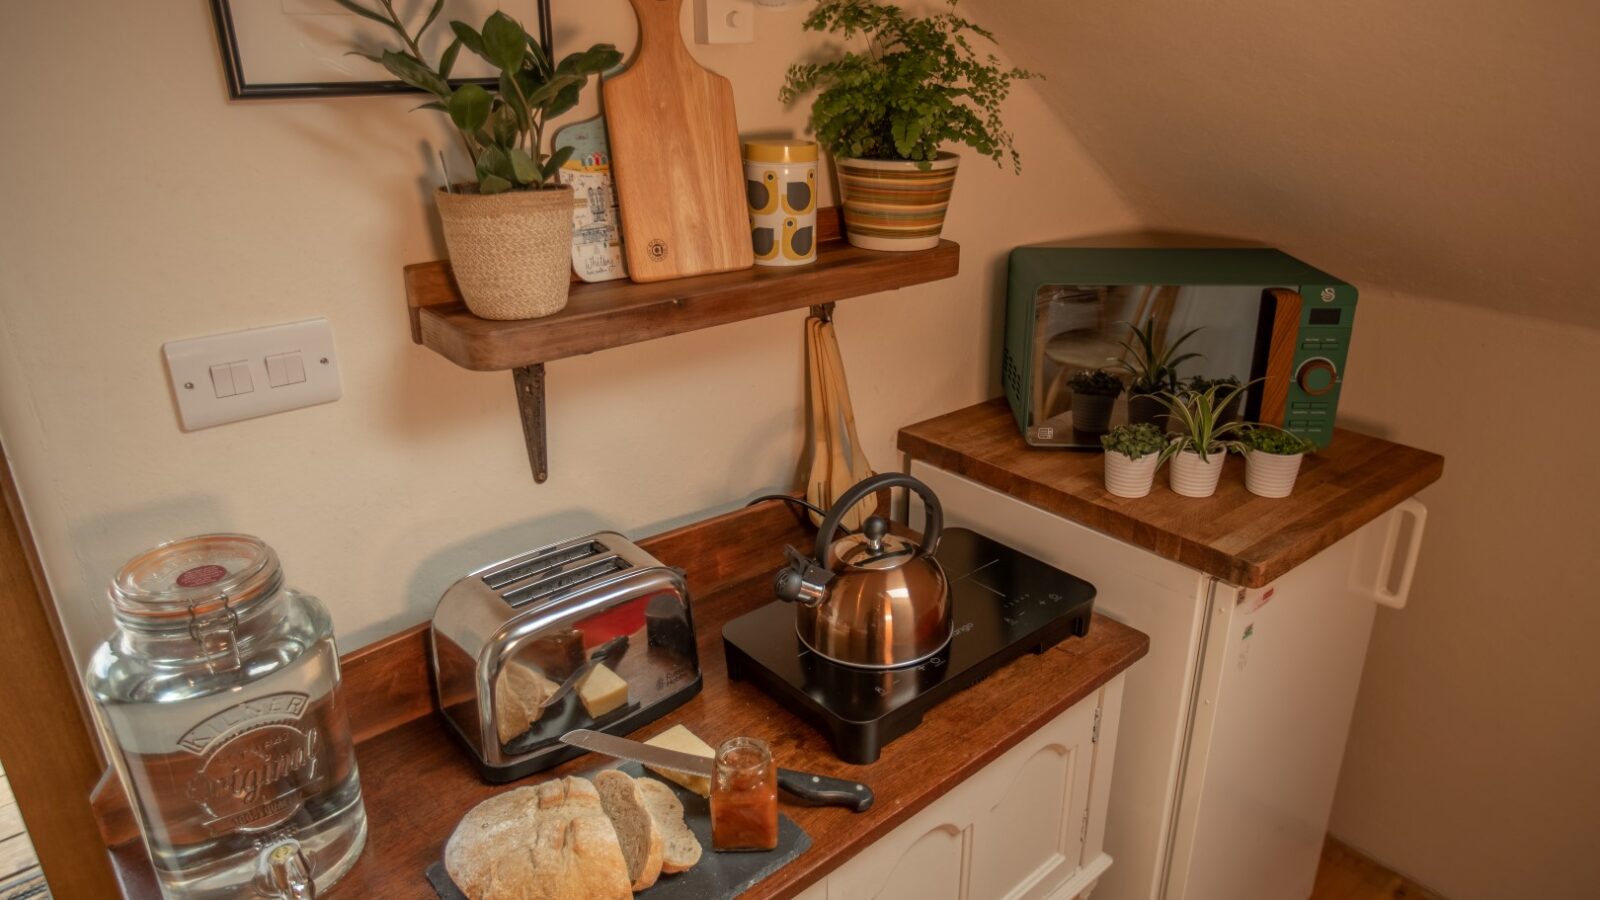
(1015, 830)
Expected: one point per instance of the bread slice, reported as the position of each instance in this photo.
(636, 829)
(680, 849)
(551, 841)
(519, 699)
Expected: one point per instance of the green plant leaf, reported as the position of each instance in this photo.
(556, 160)
(504, 41)
(563, 102)
(432, 14)
(447, 60)
(432, 104)
(409, 70)
(493, 184)
(365, 13)
(494, 161)
(469, 107)
(470, 38)
(523, 168)
(506, 126)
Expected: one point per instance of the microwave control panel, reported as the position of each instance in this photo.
(1326, 320)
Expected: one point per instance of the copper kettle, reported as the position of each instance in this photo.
(872, 599)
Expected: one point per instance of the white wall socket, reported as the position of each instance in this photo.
(244, 374)
(724, 22)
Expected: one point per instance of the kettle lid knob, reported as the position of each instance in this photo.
(874, 528)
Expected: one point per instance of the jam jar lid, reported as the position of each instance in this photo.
(194, 576)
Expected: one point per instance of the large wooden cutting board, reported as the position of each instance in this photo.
(675, 157)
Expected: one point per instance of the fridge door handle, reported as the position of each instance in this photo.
(1391, 554)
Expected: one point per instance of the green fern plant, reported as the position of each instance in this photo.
(1154, 365)
(1265, 438)
(919, 85)
(1137, 441)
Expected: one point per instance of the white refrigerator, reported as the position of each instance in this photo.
(1234, 725)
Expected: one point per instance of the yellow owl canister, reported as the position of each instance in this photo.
(781, 185)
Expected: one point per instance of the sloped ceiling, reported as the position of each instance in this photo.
(1449, 148)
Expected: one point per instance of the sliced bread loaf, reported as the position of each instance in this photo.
(636, 830)
(551, 841)
(680, 849)
(519, 699)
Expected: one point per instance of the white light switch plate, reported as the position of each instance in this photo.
(227, 377)
(724, 22)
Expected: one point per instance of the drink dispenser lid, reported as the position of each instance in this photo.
(179, 581)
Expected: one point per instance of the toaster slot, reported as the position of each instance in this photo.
(556, 583)
(542, 563)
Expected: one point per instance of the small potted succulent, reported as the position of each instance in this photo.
(887, 111)
(1133, 453)
(1153, 367)
(1203, 439)
(1272, 459)
(508, 230)
(1094, 394)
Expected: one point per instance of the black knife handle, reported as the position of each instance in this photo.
(820, 790)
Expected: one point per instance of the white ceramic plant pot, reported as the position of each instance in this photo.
(1271, 474)
(1130, 477)
(1194, 477)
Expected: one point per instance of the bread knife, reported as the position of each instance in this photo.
(818, 790)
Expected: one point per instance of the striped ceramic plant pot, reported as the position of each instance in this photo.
(1130, 477)
(894, 205)
(1271, 474)
(1195, 477)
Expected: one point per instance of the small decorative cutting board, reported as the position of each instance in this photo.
(596, 231)
(718, 876)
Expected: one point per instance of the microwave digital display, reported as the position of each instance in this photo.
(1325, 316)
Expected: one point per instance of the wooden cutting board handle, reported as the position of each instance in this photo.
(659, 35)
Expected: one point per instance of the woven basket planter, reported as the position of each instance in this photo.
(511, 252)
(894, 205)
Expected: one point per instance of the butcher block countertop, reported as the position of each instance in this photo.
(418, 782)
(1234, 535)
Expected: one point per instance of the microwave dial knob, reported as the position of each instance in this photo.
(1317, 376)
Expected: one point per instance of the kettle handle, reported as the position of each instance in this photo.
(932, 528)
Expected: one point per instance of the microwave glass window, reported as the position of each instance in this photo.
(1084, 327)
(1325, 316)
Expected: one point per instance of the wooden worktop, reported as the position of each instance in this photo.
(1234, 535)
(417, 781)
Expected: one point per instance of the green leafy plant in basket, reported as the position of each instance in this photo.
(501, 130)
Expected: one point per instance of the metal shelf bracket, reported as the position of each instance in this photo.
(529, 381)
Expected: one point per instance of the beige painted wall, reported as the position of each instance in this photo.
(1440, 154)
(1472, 762)
(141, 207)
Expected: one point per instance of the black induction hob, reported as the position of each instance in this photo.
(1005, 604)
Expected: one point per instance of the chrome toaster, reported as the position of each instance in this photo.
(587, 633)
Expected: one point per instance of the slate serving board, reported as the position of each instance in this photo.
(716, 877)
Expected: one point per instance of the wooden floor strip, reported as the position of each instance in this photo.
(1346, 874)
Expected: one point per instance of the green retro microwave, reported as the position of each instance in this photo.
(1248, 314)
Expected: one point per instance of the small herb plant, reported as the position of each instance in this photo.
(1136, 441)
(1098, 382)
(1274, 440)
(1199, 420)
(502, 131)
(1154, 365)
(919, 85)
(1200, 383)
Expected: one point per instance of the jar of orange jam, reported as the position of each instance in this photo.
(744, 797)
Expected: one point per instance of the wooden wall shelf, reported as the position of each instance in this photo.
(617, 313)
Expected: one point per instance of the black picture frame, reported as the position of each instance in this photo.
(241, 89)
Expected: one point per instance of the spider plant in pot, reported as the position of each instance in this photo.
(1199, 383)
(1133, 453)
(509, 229)
(1203, 438)
(1094, 393)
(1152, 364)
(1272, 459)
(886, 112)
